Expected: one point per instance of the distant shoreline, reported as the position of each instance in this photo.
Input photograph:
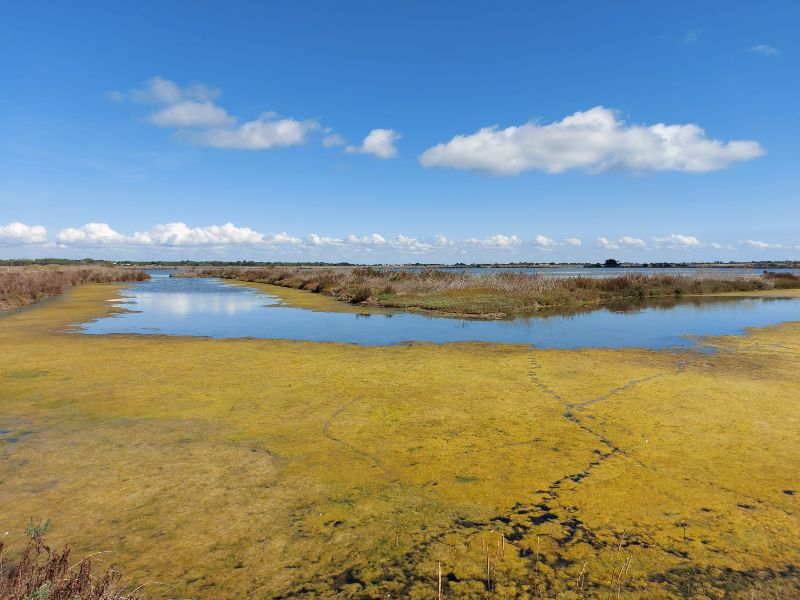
(766, 265)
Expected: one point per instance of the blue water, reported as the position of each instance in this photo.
(211, 308)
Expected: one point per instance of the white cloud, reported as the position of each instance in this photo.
(764, 50)
(379, 142)
(594, 140)
(190, 114)
(496, 241)
(545, 242)
(607, 244)
(282, 239)
(180, 234)
(625, 241)
(89, 234)
(374, 239)
(410, 244)
(312, 239)
(202, 122)
(19, 233)
(158, 90)
(759, 245)
(441, 241)
(676, 240)
(261, 134)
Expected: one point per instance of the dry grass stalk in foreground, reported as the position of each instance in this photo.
(45, 574)
(23, 285)
(494, 294)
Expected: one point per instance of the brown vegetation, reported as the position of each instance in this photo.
(23, 285)
(493, 294)
(45, 574)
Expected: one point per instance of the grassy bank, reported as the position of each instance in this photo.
(24, 285)
(496, 295)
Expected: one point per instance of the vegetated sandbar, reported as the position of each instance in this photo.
(247, 468)
(492, 295)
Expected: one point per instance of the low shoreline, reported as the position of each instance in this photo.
(498, 296)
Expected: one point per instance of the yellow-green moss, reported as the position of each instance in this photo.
(255, 468)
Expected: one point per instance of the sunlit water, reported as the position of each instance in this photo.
(211, 308)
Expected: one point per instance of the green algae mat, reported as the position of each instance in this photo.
(253, 468)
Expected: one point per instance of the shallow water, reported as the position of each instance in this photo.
(211, 308)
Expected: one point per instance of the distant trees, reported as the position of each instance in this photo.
(611, 263)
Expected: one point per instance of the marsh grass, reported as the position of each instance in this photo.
(495, 295)
(24, 285)
(42, 573)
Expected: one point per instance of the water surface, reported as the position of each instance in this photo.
(212, 308)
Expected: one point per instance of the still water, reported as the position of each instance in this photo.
(211, 308)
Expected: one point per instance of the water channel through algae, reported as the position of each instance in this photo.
(212, 468)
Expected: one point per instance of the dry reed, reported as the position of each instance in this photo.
(493, 294)
(23, 285)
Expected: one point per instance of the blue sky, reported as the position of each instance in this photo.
(400, 131)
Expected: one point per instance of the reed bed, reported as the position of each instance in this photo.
(23, 285)
(494, 294)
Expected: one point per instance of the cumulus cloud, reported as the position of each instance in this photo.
(18, 234)
(260, 134)
(312, 239)
(764, 50)
(158, 90)
(90, 234)
(607, 244)
(282, 238)
(595, 140)
(625, 241)
(496, 241)
(180, 234)
(379, 142)
(677, 241)
(192, 111)
(374, 239)
(544, 242)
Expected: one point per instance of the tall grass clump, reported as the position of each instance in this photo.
(494, 294)
(41, 573)
(23, 285)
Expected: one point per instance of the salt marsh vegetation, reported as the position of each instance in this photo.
(230, 468)
(495, 295)
(24, 285)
